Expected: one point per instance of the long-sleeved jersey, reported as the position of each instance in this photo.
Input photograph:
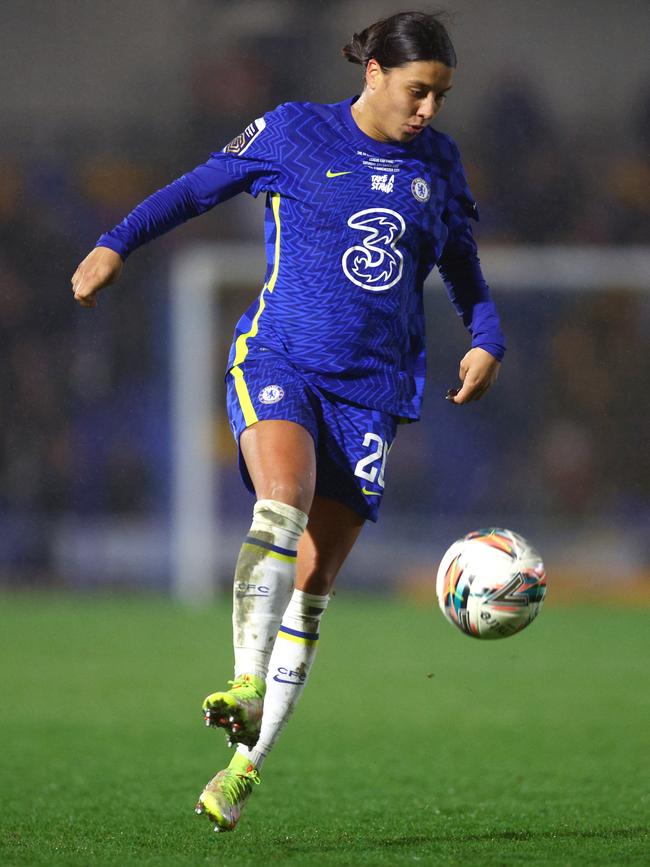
(353, 227)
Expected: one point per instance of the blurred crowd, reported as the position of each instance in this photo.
(83, 397)
(541, 182)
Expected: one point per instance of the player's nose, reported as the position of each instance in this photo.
(427, 108)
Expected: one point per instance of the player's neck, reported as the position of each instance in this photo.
(365, 119)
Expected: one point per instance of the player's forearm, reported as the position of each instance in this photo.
(192, 194)
(160, 212)
(470, 295)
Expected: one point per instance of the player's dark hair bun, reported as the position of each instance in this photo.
(354, 51)
(402, 38)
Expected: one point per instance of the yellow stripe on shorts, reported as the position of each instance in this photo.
(241, 344)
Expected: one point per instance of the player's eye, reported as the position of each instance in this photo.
(441, 97)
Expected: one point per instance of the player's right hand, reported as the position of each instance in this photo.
(100, 268)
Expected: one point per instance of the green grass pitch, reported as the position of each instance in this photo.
(412, 744)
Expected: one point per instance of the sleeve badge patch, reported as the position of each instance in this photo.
(245, 139)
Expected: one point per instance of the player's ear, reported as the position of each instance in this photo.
(373, 73)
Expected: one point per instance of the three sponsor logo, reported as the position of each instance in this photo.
(376, 262)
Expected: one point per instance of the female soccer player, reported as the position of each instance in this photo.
(364, 198)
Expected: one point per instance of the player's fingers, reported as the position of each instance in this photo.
(460, 399)
(85, 294)
(483, 386)
(466, 392)
(478, 393)
(77, 282)
(79, 286)
(88, 284)
(86, 302)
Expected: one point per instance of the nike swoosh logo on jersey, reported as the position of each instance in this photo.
(330, 174)
(370, 493)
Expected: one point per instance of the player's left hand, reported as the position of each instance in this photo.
(478, 371)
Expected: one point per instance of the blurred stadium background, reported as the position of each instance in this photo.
(103, 103)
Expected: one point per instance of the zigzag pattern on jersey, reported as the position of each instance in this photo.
(365, 346)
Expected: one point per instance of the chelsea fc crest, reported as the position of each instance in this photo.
(271, 394)
(420, 189)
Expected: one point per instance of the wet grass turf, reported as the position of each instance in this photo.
(412, 744)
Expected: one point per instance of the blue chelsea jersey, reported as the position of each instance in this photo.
(353, 226)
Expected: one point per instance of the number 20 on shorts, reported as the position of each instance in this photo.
(364, 468)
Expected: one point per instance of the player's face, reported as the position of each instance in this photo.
(405, 99)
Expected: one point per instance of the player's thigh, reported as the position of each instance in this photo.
(272, 418)
(281, 459)
(331, 532)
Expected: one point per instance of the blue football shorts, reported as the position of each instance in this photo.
(352, 442)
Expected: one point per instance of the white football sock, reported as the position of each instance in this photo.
(264, 579)
(291, 661)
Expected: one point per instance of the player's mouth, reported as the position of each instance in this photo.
(414, 129)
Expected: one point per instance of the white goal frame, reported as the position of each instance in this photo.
(196, 275)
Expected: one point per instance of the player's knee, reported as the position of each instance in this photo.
(294, 492)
